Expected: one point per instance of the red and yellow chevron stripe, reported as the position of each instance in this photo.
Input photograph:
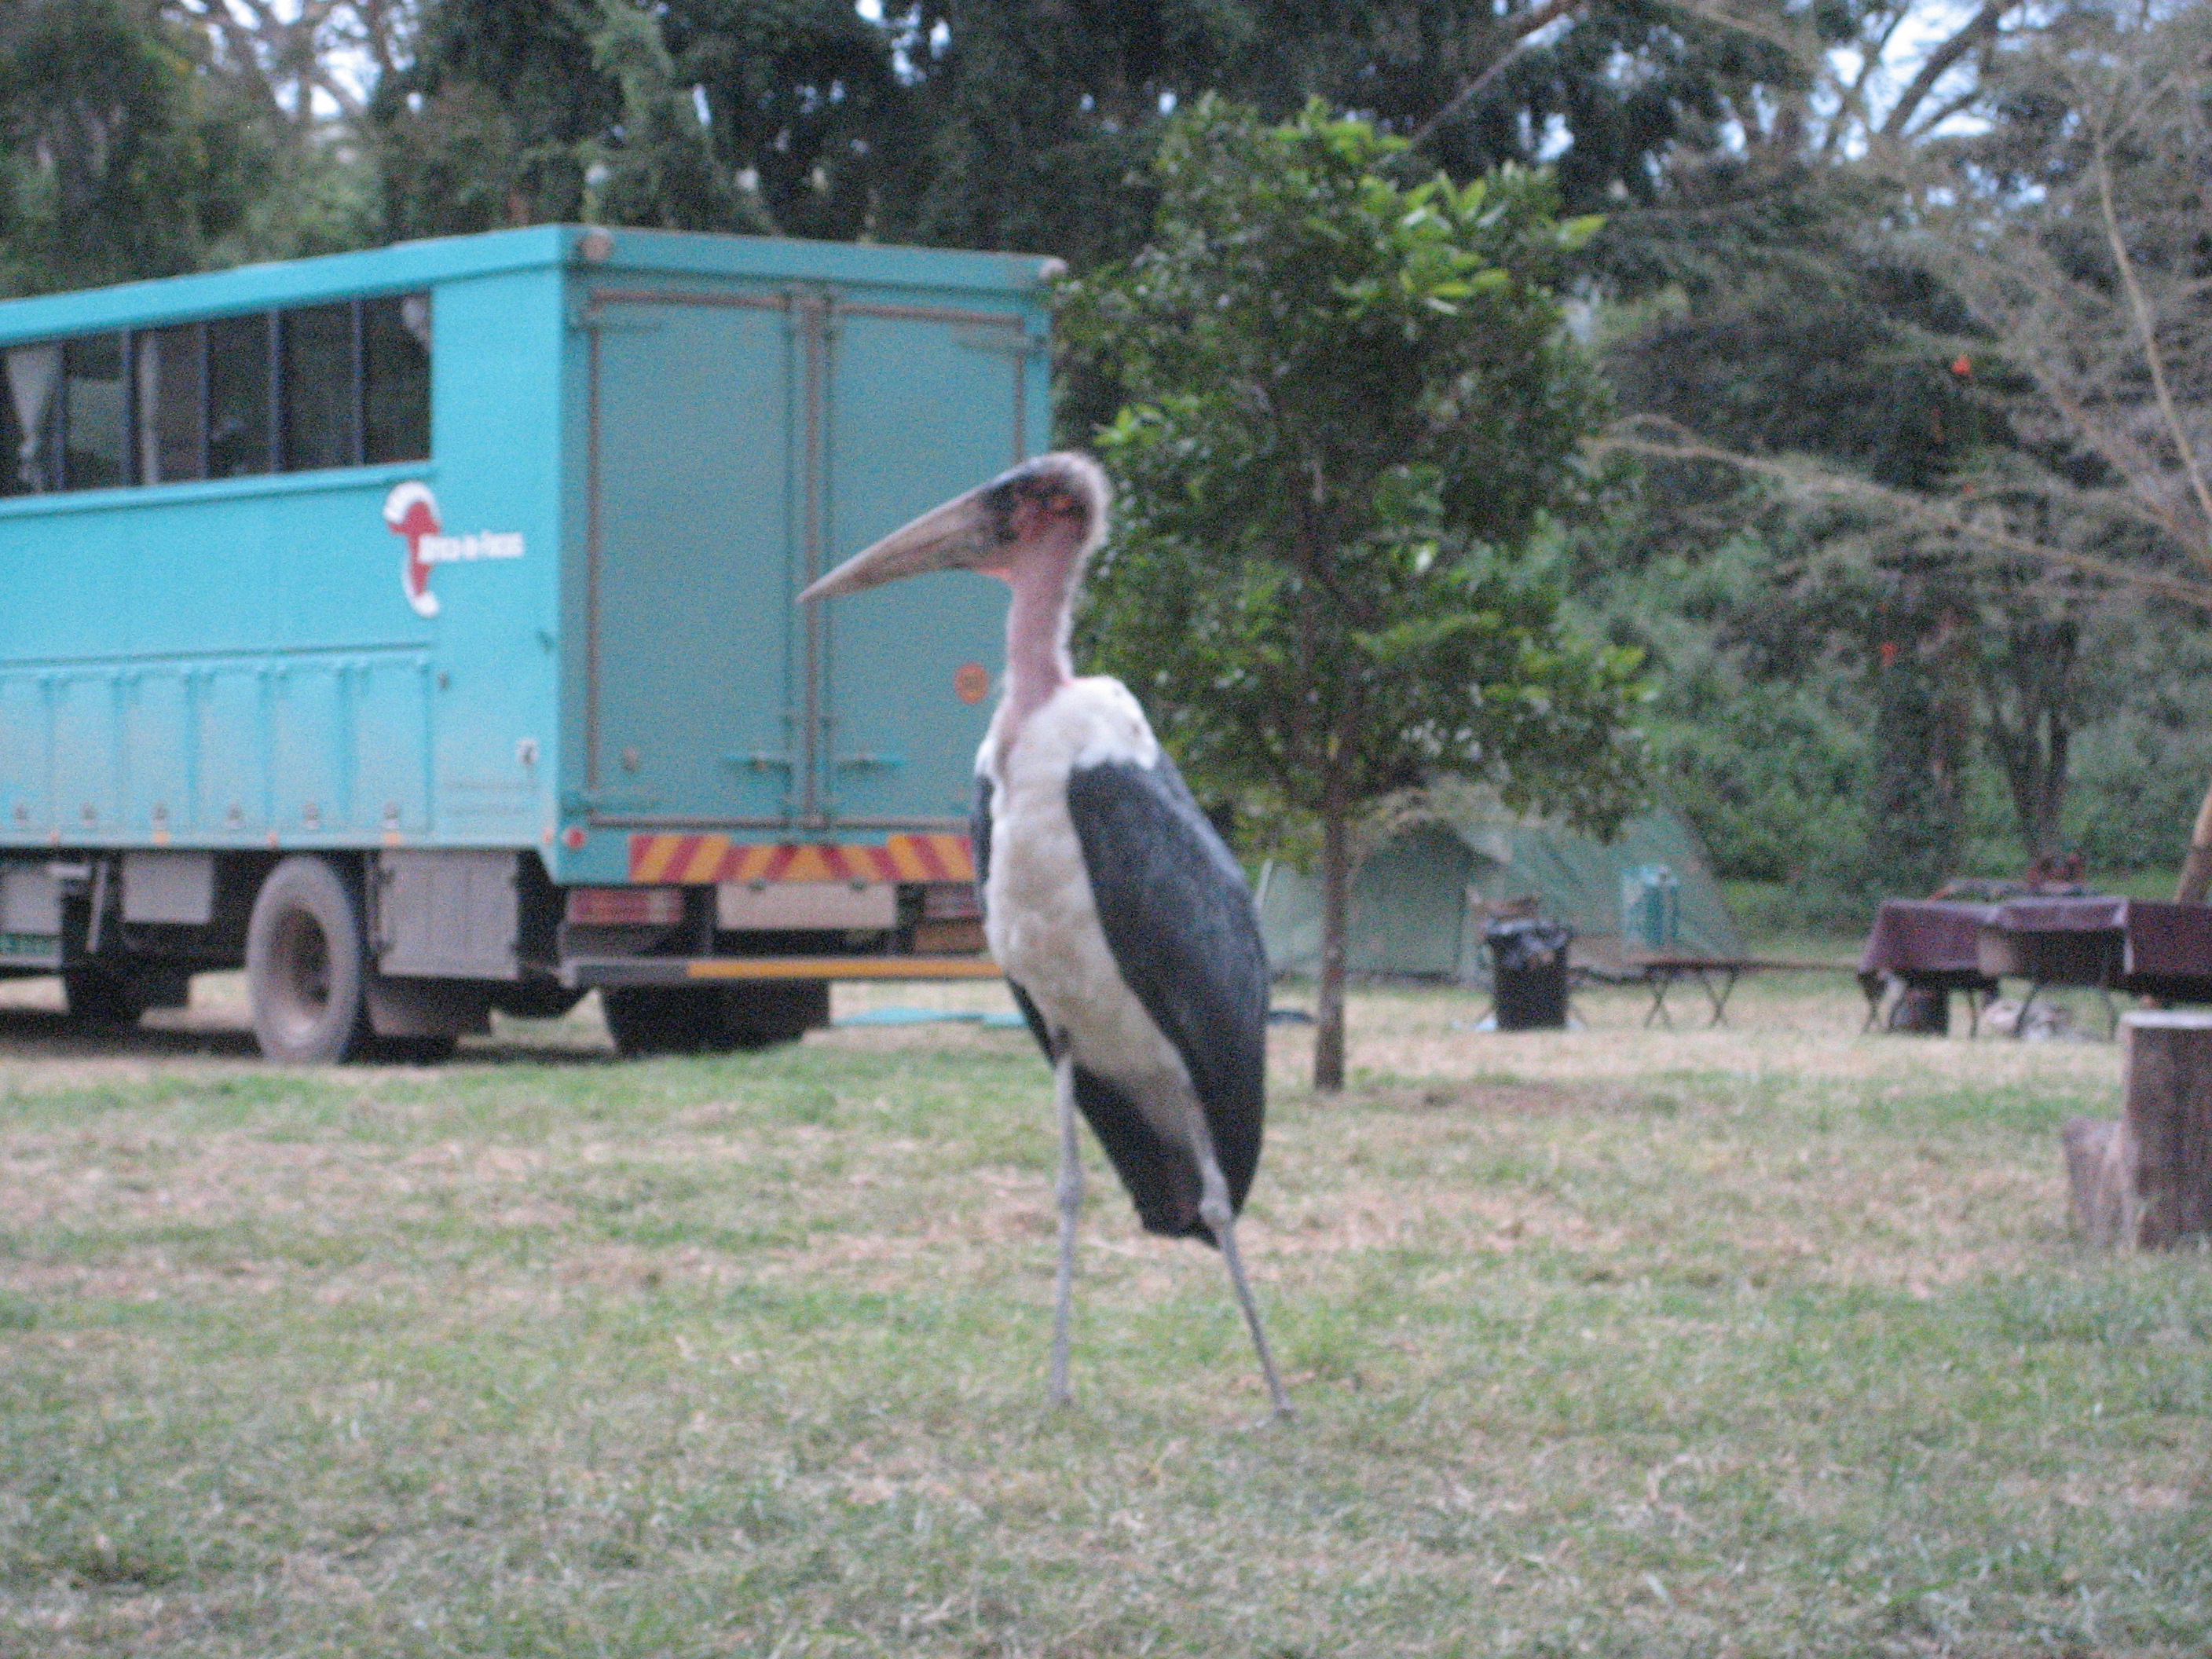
(695, 861)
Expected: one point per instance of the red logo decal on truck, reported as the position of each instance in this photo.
(411, 510)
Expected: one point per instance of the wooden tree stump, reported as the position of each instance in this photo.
(2147, 1179)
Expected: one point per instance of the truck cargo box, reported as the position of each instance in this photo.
(465, 569)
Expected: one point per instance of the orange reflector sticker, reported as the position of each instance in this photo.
(697, 859)
(971, 682)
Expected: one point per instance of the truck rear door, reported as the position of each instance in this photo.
(688, 699)
(924, 402)
(741, 445)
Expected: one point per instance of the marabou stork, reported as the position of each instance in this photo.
(1121, 922)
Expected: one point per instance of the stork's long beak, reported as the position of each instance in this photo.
(958, 536)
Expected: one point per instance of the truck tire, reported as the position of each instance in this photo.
(697, 1019)
(306, 969)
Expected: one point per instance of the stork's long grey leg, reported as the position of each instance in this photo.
(1069, 1192)
(1220, 1217)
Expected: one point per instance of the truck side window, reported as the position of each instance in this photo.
(31, 420)
(396, 371)
(96, 399)
(173, 404)
(322, 413)
(237, 396)
(340, 384)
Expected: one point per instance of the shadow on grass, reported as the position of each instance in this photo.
(41, 1034)
(37, 1034)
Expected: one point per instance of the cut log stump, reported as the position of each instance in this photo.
(2147, 1179)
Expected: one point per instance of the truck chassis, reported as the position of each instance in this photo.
(397, 953)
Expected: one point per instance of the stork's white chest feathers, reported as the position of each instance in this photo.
(1039, 915)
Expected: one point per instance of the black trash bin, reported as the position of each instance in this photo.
(1528, 972)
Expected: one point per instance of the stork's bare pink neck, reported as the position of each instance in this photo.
(1043, 578)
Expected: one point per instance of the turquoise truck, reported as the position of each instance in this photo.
(414, 628)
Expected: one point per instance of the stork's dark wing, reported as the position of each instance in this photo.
(1179, 920)
(1157, 1174)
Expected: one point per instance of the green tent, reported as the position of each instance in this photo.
(1420, 902)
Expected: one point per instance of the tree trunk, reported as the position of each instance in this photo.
(2035, 678)
(2051, 804)
(2146, 1180)
(2034, 765)
(2196, 868)
(1335, 904)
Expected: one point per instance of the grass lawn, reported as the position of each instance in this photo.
(1764, 1340)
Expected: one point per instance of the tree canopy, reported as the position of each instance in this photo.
(1914, 548)
(1353, 405)
(118, 158)
(1945, 402)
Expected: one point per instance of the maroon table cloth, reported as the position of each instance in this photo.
(1925, 936)
(2153, 947)
(2168, 940)
(2158, 939)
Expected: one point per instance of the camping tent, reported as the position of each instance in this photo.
(1419, 902)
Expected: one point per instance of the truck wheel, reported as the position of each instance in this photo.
(304, 969)
(664, 1020)
(765, 1012)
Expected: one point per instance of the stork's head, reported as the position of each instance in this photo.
(1049, 509)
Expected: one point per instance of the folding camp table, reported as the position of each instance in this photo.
(1928, 945)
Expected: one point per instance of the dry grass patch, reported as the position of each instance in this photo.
(1757, 1340)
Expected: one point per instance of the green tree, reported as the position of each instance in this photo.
(299, 62)
(1613, 93)
(1354, 406)
(2004, 429)
(286, 79)
(805, 101)
(520, 112)
(1023, 124)
(118, 158)
(2075, 229)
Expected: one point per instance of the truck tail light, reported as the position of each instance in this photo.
(625, 907)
